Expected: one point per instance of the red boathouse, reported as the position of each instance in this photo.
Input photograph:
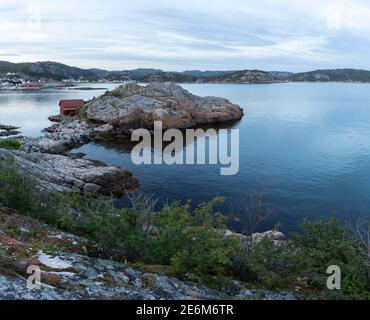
(70, 107)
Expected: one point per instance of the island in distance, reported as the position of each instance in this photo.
(48, 74)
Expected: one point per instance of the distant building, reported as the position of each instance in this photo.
(70, 107)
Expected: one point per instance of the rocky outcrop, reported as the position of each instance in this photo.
(117, 113)
(7, 131)
(132, 106)
(60, 137)
(56, 118)
(63, 173)
(277, 237)
(69, 272)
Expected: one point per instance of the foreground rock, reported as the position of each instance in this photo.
(63, 173)
(69, 273)
(132, 106)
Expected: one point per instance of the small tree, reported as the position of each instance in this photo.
(253, 212)
(361, 232)
(144, 206)
(18, 190)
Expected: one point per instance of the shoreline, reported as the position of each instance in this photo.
(83, 88)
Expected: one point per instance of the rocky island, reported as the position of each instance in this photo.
(115, 114)
(131, 106)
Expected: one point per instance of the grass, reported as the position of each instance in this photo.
(10, 144)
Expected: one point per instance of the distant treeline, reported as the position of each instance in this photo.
(58, 71)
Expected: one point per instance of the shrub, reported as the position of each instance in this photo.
(253, 212)
(17, 190)
(194, 243)
(328, 242)
(191, 242)
(10, 144)
(116, 231)
(267, 265)
(303, 261)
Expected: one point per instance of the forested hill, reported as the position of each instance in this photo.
(332, 75)
(59, 71)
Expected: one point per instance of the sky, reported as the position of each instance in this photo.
(177, 35)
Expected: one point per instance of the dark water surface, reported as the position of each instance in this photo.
(307, 144)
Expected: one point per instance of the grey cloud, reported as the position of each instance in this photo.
(185, 34)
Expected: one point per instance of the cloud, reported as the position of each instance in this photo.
(208, 34)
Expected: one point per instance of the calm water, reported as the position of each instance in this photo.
(307, 144)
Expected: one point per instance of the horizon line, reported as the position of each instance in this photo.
(185, 70)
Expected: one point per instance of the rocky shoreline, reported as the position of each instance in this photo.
(64, 173)
(115, 114)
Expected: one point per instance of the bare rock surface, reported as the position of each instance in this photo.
(63, 173)
(60, 137)
(132, 106)
(277, 237)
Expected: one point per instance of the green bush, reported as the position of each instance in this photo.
(10, 144)
(328, 242)
(116, 231)
(267, 265)
(303, 261)
(17, 190)
(193, 243)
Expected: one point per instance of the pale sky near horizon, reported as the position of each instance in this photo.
(179, 35)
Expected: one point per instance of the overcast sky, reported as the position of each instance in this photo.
(291, 35)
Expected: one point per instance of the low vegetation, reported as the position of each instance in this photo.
(17, 190)
(10, 144)
(190, 243)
